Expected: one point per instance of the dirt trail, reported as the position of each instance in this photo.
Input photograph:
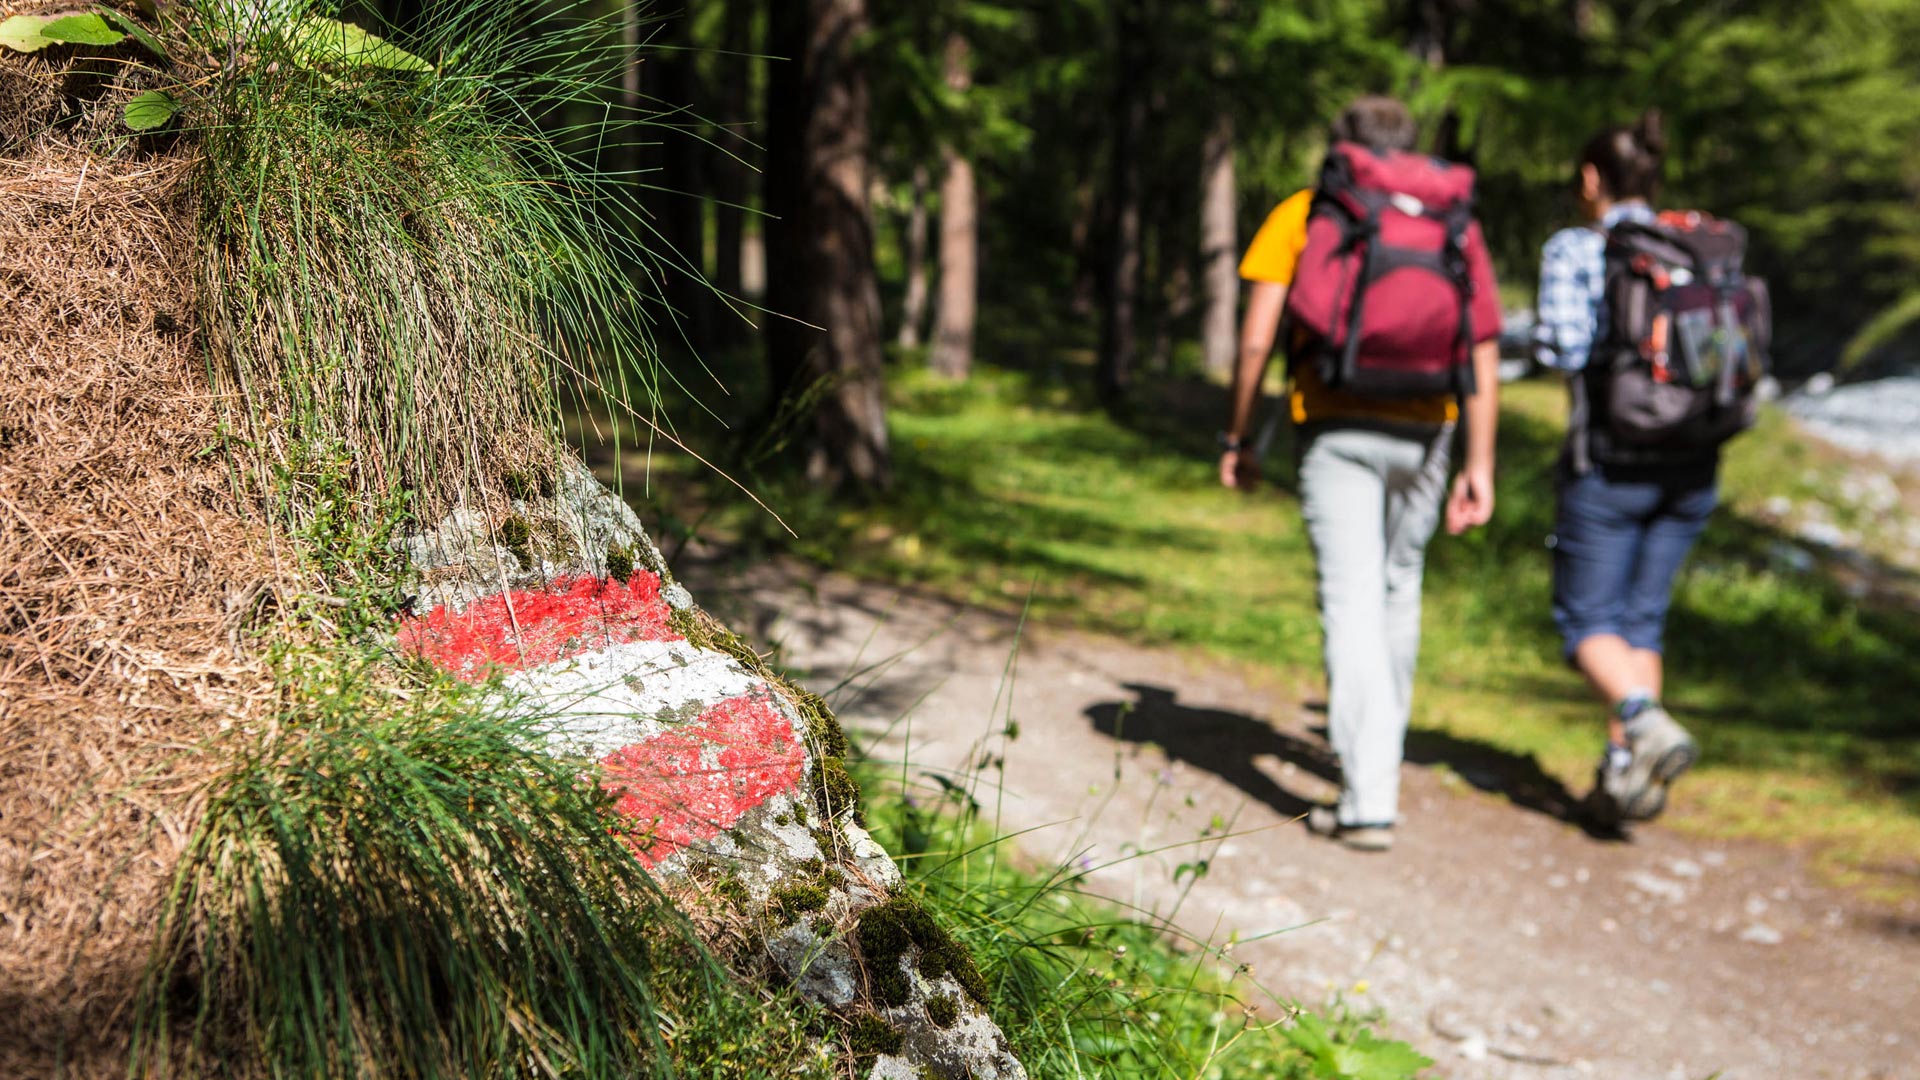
(1500, 939)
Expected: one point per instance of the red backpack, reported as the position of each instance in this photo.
(1383, 289)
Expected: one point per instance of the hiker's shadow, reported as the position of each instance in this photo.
(1517, 777)
(1224, 743)
(1228, 744)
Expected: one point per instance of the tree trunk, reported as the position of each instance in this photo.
(959, 241)
(729, 178)
(1219, 250)
(1581, 12)
(1113, 374)
(682, 221)
(784, 230)
(1430, 30)
(820, 249)
(913, 307)
(629, 153)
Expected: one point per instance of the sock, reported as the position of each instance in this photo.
(1631, 706)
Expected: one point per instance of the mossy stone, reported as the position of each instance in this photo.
(619, 564)
(943, 1010)
(788, 901)
(516, 535)
(869, 1037)
(885, 933)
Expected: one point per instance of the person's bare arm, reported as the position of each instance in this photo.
(1471, 504)
(1265, 300)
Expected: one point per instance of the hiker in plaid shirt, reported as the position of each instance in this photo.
(1620, 533)
(1573, 279)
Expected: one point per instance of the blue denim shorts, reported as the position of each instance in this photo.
(1616, 548)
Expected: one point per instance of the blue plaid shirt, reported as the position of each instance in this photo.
(1573, 280)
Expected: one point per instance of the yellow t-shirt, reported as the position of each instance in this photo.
(1272, 257)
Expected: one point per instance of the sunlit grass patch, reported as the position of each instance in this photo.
(1084, 988)
(1014, 488)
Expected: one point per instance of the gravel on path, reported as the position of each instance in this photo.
(1502, 941)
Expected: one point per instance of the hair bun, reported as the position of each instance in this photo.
(1651, 133)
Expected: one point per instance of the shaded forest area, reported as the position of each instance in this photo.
(939, 181)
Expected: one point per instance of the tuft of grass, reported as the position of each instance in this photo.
(410, 884)
(415, 263)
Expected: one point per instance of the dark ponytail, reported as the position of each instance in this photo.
(1629, 159)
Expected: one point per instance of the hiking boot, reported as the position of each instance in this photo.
(1325, 821)
(1659, 751)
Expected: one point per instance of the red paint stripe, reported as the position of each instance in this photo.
(674, 795)
(568, 617)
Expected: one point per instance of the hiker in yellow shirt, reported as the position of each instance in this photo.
(1373, 469)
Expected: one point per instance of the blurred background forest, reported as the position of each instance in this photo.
(950, 285)
(952, 181)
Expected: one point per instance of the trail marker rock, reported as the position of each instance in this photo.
(715, 767)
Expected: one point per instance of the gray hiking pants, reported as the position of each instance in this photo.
(1371, 500)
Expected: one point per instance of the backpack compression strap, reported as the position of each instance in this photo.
(1377, 260)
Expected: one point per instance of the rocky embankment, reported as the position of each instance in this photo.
(1878, 417)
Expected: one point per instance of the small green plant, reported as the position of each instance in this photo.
(887, 932)
(619, 564)
(1360, 1055)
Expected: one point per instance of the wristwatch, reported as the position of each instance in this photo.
(1230, 442)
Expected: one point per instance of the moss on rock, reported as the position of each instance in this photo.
(869, 1037)
(886, 932)
(619, 563)
(516, 535)
(835, 790)
(788, 901)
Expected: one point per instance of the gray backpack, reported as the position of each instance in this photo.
(1685, 349)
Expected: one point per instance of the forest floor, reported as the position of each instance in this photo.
(1497, 936)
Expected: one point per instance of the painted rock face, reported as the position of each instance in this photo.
(689, 740)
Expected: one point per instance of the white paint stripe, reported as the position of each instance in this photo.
(624, 694)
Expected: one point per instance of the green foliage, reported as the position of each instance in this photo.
(1363, 1056)
(87, 29)
(22, 33)
(412, 884)
(321, 42)
(869, 1037)
(943, 1010)
(789, 901)
(834, 791)
(619, 564)
(889, 930)
(402, 257)
(1794, 119)
(150, 110)
(516, 536)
